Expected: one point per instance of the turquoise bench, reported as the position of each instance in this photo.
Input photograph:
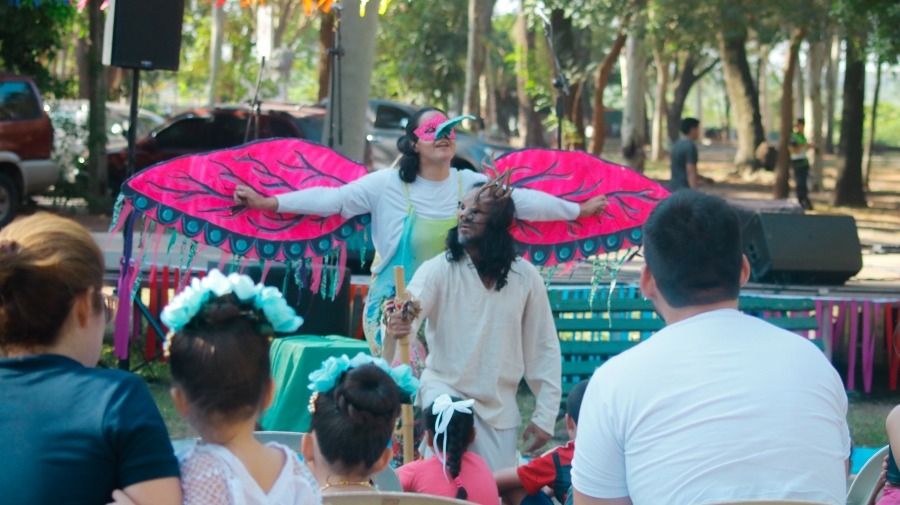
(591, 331)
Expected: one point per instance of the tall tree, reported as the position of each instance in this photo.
(831, 72)
(478, 31)
(634, 85)
(870, 138)
(601, 79)
(215, 53)
(30, 35)
(97, 109)
(815, 110)
(687, 76)
(531, 132)
(783, 163)
(848, 190)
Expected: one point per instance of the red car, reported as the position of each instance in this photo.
(26, 141)
(202, 130)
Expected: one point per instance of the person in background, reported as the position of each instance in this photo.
(453, 471)
(683, 158)
(718, 406)
(800, 164)
(525, 485)
(71, 433)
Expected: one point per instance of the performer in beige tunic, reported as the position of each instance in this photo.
(488, 325)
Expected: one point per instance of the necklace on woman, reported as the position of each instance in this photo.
(342, 483)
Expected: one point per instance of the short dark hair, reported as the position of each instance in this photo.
(688, 124)
(800, 120)
(692, 246)
(220, 359)
(353, 422)
(573, 402)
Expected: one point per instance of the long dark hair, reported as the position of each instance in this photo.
(409, 159)
(496, 249)
(353, 422)
(459, 433)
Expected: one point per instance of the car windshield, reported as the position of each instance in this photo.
(17, 101)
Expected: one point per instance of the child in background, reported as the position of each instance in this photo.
(219, 356)
(355, 405)
(453, 471)
(525, 485)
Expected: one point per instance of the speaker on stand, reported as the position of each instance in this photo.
(139, 34)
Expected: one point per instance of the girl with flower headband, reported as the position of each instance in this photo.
(355, 405)
(219, 355)
(453, 471)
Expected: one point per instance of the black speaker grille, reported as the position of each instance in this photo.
(146, 34)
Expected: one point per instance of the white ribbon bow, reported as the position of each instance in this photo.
(443, 408)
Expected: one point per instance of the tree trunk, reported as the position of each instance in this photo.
(762, 85)
(326, 39)
(799, 90)
(531, 132)
(82, 46)
(479, 25)
(685, 81)
(831, 91)
(783, 163)
(742, 95)
(660, 114)
(848, 190)
(814, 109)
(489, 97)
(634, 84)
(356, 73)
(215, 53)
(601, 78)
(870, 142)
(97, 97)
(579, 142)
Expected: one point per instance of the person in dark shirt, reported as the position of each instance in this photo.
(684, 156)
(71, 434)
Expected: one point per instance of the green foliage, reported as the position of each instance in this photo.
(29, 36)
(421, 52)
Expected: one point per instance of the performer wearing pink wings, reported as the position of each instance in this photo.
(412, 208)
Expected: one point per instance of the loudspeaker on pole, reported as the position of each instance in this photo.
(143, 34)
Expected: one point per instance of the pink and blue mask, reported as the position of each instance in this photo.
(439, 127)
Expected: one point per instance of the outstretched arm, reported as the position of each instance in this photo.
(352, 199)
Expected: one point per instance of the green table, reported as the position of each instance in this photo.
(293, 359)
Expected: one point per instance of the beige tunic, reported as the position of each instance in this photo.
(482, 342)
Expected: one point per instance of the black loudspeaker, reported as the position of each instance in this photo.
(144, 34)
(802, 249)
(321, 316)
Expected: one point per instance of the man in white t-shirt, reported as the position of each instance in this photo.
(717, 406)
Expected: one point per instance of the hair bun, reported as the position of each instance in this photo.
(8, 247)
(220, 311)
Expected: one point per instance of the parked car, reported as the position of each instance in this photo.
(26, 144)
(203, 130)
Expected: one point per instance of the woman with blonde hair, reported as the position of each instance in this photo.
(71, 433)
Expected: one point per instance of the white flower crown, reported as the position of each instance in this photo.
(187, 304)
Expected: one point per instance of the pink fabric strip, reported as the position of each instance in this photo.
(820, 318)
(222, 261)
(854, 337)
(868, 346)
(265, 272)
(244, 261)
(838, 328)
(126, 281)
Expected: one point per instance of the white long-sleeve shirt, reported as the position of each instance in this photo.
(482, 342)
(381, 194)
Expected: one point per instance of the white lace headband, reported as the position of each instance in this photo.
(443, 408)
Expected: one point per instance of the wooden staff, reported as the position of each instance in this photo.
(406, 413)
